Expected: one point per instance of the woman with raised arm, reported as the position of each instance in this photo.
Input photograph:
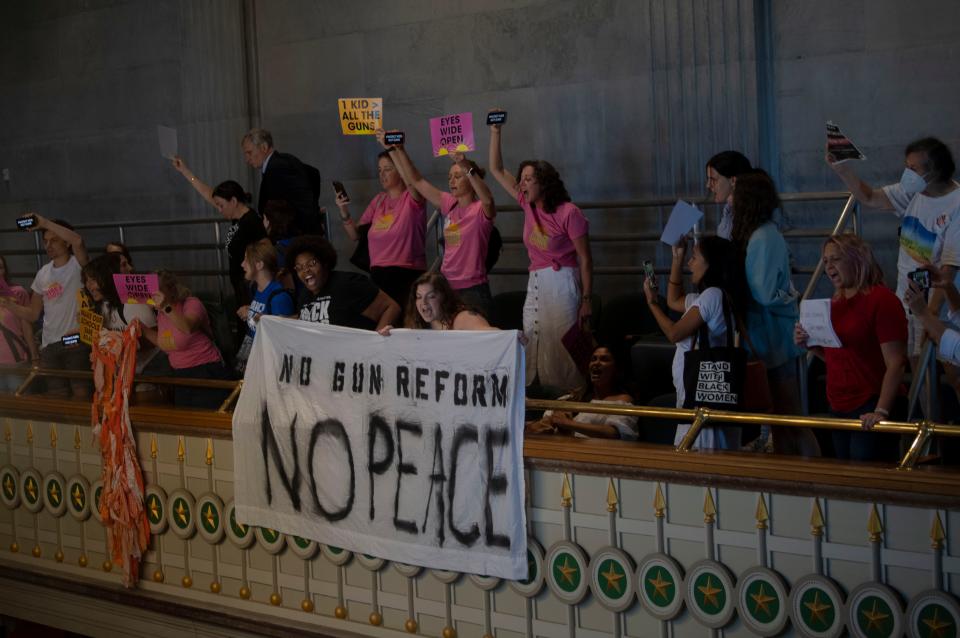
(604, 386)
(719, 302)
(865, 374)
(555, 233)
(232, 202)
(396, 235)
(468, 211)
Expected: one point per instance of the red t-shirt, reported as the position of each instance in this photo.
(862, 322)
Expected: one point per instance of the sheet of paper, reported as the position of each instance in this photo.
(452, 134)
(360, 115)
(815, 319)
(683, 218)
(168, 141)
(840, 146)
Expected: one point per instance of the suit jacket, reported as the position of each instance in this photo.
(290, 179)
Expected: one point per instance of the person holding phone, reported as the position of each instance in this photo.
(946, 337)
(865, 374)
(396, 223)
(560, 283)
(55, 290)
(721, 297)
(17, 346)
(927, 202)
(468, 212)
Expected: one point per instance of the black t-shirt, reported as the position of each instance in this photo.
(242, 233)
(340, 302)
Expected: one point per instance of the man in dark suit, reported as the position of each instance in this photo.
(284, 178)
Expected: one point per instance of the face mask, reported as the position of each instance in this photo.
(911, 182)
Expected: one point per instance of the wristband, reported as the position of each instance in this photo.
(885, 413)
(675, 283)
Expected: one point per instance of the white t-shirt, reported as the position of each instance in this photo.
(59, 288)
(112, 319)
(929, 230)
(710, 304)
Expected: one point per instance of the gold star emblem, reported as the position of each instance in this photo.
(660, 585)
(818, 610)
(208, 515)
(710, 593)
(762, 601)
(54, 494)
(181, 512)
(612, 578)
(566, 570)
(874, 617)
(32, 489)
(154, 507)
(77, 495)
(8, 485)
(937, 628)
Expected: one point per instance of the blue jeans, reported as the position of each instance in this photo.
(865, 445)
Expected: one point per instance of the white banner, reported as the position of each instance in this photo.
(407, 447)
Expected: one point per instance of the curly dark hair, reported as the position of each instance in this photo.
(725, 270)
(551, 186)
(450, 303)
(754, 201)
(101, 270)
(321, 249)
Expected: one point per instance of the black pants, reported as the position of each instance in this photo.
(396, 282)
(209, 398)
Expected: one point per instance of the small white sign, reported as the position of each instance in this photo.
(815, 320)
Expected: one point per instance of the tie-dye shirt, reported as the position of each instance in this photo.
(929, 230)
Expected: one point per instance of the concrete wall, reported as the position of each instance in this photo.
(627, 98)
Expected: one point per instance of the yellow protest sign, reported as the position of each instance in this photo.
(360, 115)
(90, 325)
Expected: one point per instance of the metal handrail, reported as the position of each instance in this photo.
(32, 374)
(699, 417)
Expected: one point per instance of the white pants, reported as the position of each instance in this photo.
(550, 310)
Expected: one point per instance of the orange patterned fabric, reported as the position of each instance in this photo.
(121, 501)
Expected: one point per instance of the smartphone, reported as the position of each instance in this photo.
(650, 273)
(26, 222)
(921, 278)
(394, 137)
(496, 117)
(71, 340)
(338, 187)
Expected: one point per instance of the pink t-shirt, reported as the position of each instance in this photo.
(11, 324)
(549, 236)
(397, 230)
(187, 349)
(466, 235)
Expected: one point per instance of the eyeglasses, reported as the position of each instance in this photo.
(304, 267)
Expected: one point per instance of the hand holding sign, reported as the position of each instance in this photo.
(360, 115)
(452, 133)
(136, 289)
(815, 322)
(168, 141)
